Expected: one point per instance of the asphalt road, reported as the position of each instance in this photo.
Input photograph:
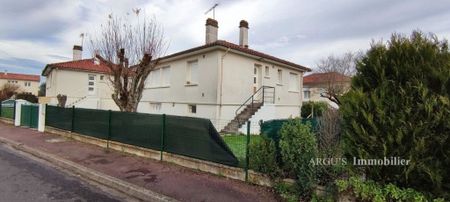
(23, 178)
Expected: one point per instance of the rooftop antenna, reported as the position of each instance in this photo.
(213, 10)
(82, 35)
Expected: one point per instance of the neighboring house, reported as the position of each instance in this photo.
(317, 83)
(27, 83)
(213, 80)
(84, 82)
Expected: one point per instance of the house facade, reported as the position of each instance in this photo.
(85, 82)
(27, 83)
(317, 83)
(215, 80)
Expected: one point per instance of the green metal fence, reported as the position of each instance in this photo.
(29, 115)
(193, 137)
(7, 109)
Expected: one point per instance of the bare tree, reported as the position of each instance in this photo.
(8, 90)
(329, 129)
(62, 99)
(130, 46)
(338, 71)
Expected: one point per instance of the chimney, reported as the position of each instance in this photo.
(96, 60)
(77, 52)
(212, 27)
(243, 34)
(5, 72)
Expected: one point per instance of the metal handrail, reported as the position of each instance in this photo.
(252, 97)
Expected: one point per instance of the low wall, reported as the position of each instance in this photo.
(205, 166)
(5, 120)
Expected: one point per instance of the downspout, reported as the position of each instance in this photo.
(221, 84)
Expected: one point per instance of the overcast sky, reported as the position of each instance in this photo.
(34, 33)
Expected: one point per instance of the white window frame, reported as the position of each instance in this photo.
(294, 77)
(267, 72)
(280, 77)
(155, 106)
(165, 79)
(306, 91)
(93, 86)
(192, 77)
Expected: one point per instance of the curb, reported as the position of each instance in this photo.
(108, 181)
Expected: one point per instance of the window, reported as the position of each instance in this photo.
(91, 84)
(293, 82)
(101, 77)
(155, 78)
(156, 106)
(192, 72)
(280, 76)
(266, 71)
(192, 109)
(306, 94)
(165, 77)
(27, 83)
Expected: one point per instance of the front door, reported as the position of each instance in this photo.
(257, 81)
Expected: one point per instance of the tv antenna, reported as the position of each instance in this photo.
(82, 35)
(213, 9)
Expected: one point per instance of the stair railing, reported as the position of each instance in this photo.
(251, 100)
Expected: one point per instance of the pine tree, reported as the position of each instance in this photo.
(399, 106)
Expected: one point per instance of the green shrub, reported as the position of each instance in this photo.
(262, 156)
(372, 191)
(288, 192)
(319, 108)
(298, 146)
(399, 107)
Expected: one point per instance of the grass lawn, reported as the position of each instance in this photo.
(237, 145)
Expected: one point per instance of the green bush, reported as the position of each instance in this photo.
(298, 146)
(319, 108)
(399, 107)
(262, 156)
(372, 191)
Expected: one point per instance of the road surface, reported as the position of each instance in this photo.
(23, 178)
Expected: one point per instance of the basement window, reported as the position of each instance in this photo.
(192, 109)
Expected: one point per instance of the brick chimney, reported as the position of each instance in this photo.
(243, 34)
(212, 27)
(77, 52)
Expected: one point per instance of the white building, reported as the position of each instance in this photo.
(84, 82)
(317, 83)
(27, 83)
(213, 80)
(210, 81)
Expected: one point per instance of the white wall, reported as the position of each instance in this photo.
(74, 84)
(33, 88)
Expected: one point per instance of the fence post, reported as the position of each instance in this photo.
(42, 111)
(246, 150)
(14, 111)
(109, 129)
(163, 133)
(0, 108)
(73, 118)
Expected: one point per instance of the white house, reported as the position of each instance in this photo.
(214, 80)
(317, 83)
(84, 82)
(26, 82)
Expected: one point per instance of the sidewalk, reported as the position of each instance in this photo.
(170, 180)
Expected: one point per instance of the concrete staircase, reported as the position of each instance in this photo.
(234, 125)
(76, 101)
